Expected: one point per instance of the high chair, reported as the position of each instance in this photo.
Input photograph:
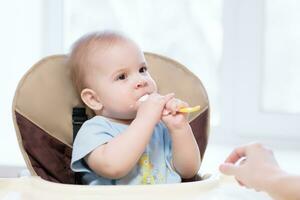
(45, 113)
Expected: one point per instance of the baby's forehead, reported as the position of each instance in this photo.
(123, 50)
(107, 45)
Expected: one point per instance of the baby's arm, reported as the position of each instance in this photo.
(186, 155)
(116, 158)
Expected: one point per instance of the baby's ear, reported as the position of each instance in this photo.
(90, 98)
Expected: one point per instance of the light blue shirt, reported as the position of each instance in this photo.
(154, 166)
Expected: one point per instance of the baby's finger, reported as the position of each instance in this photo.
(165, 112)
(184, 104)
(167, 97)
(171, 105)
(177, 104)
(181, 104)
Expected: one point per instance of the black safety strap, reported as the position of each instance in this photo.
(78, 118)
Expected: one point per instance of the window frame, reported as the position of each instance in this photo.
(244, 23)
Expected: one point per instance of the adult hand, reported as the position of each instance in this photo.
(252, 165)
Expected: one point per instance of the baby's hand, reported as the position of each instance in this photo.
(152, 108)
(171, 117)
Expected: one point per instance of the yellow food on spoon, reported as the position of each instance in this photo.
(189, 109)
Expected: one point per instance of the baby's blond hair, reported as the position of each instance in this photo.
(78, 58)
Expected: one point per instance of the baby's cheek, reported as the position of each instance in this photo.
(153, 84)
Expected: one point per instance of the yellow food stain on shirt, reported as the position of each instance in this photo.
(146, 169)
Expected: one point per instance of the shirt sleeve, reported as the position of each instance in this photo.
(90, 136)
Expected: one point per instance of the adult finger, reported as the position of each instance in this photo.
(228, 168)
(236, 154)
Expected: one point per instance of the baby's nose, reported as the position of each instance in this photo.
(141, 83)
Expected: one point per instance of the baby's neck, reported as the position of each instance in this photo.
(121, 121)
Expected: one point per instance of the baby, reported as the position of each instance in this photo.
(137, 136)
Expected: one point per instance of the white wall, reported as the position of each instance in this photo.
(20, 47)
(32, 29)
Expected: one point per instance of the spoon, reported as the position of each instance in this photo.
(189, 109)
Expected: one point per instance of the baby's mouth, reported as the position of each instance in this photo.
(143, 98)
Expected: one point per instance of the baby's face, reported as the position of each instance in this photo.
(120, 78)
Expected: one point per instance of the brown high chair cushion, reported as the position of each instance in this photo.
(45, 97)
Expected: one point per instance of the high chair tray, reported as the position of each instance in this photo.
(214, 187)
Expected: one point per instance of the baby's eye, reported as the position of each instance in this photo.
(121, 77)
(143, 69)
